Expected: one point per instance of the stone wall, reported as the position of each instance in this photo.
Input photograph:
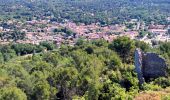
(149, 65)
(154, 66)
(138, 65)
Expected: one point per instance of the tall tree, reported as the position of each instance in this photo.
(125, 47)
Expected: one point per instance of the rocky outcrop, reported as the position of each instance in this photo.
(149, 65)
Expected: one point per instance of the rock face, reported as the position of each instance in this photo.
(149, 65)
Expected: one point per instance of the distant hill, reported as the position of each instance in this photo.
(89, 11)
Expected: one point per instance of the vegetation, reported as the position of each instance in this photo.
(10, 51)
(87, 11)
(91, 70)
(16, 35)
(94, 70)
(67, 31)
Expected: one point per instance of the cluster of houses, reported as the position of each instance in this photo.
(158, 33)
(43, 30)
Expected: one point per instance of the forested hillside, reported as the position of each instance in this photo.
(88, 11)
(94, 70)
(83, 49)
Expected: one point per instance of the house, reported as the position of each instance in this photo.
(158, 31)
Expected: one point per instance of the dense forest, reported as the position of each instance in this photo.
(87, 11)
(92, 70)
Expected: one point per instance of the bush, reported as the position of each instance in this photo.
(150, 87)
(12, 93)
(48, 45)
(162, 81)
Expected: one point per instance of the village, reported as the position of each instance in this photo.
(36, 31)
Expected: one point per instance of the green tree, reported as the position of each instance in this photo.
(43, 91)
(12, 93)
(48, 45)
(100, 42)
(65, 79)
(7, 52)
(125, 48)
(143, 33)
(142, 45)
